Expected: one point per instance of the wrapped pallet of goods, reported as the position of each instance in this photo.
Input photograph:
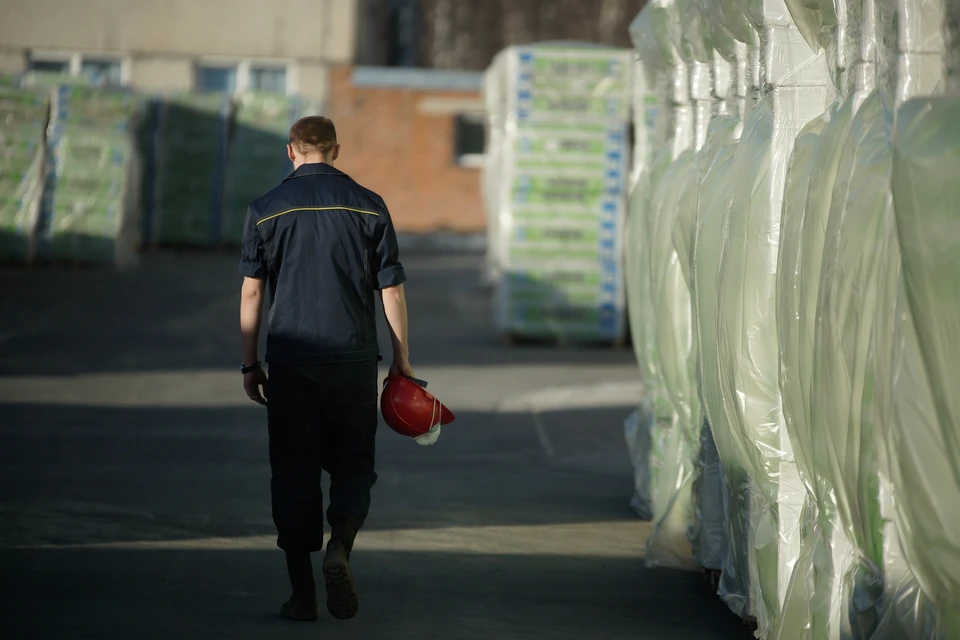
(792, 85)
(651, 121)
(560, 192)
(823, 281)
(660, 296)
(90, 206)
(190, 159)
(730, 34)
(806, 209)
(715, 199)
(23, 121)
(256, 161)
(922, 435)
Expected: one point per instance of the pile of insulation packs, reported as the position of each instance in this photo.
(89, 175)
(792, 266)
(555, 182)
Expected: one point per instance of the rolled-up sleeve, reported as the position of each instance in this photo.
(386, 256)
(253, 261)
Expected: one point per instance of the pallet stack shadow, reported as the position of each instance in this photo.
(554, 189)
(257, 161)
(189, 154)
(212, 156)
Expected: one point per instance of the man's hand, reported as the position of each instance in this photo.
(401, 369)
(255, 384)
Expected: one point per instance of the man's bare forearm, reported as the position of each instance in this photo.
(395, 310)
(251, 306)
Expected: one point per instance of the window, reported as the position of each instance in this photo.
(243, 75)
(96, 69)
(469, 139)
(271, 79)
(101, 72)
(217, 79)
(50, 66)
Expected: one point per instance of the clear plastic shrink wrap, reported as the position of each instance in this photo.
(747, 332)
(715, 198)
(674, 346)
(926, 432)
(668, 545)
(490, 175)
(653, 160)
(796, 614)
(812, 604)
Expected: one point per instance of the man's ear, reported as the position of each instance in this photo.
(336, 152)
(290, 153)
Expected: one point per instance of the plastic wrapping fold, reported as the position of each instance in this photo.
(907, 612)
(642, 306)
(927, 431)
(727, 18)
(918, 469)
(715, 200)
(748, 344)
(843, 416)
(710, 537)
(638, 431)
(789, 60)
(805, 216)
(814, 19)
(490, 175)
(766, 13)
(697, 33)
(668, 545)
(797, 619)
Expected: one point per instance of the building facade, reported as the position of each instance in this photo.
(183, 45)
(401, 78)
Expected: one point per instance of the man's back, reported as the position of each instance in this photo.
(324, 243)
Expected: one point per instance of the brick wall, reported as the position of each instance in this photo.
(391, 144)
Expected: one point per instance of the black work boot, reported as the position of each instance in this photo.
(342, 600)
(302, 605)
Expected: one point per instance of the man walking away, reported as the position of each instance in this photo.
(323, 245)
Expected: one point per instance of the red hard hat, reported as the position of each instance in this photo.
(409, 409)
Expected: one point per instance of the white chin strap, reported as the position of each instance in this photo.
(430, 437)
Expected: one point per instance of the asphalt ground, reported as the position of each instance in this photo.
(134, 481)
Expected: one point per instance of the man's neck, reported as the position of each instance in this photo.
(310, 160)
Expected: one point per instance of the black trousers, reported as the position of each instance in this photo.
(322, 417)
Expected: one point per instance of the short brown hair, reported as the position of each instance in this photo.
(314, 133)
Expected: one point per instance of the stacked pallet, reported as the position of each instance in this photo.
(555, 190)
(89, 212)
(23, 120)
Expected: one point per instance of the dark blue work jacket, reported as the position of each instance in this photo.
(324, 244)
